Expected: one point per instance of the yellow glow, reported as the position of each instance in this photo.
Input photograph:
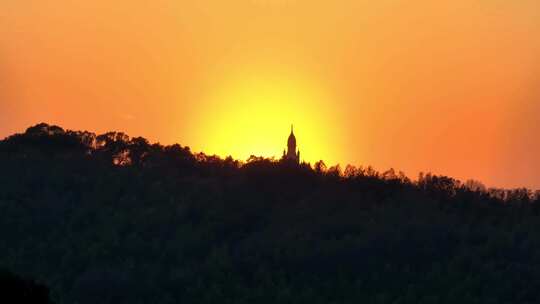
(250, 113)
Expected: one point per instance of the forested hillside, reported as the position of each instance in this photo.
(113, 219)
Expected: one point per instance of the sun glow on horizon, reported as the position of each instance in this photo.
(250, 113)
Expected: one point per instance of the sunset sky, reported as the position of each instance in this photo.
(451, 87)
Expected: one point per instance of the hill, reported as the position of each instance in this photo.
(113, 219)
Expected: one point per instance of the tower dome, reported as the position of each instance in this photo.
(291, 142)
(291, 154)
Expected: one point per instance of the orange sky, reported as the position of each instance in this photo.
(450, 87)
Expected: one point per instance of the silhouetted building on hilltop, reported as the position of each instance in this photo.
(291, 154)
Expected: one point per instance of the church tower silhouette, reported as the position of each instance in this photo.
(291, 154)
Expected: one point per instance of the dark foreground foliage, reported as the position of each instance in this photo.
(14, 289)
(113, 219)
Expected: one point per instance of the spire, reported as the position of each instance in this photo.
(292, 153)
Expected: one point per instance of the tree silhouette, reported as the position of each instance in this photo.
(113, 219)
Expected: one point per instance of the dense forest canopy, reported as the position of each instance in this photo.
(114, 219)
